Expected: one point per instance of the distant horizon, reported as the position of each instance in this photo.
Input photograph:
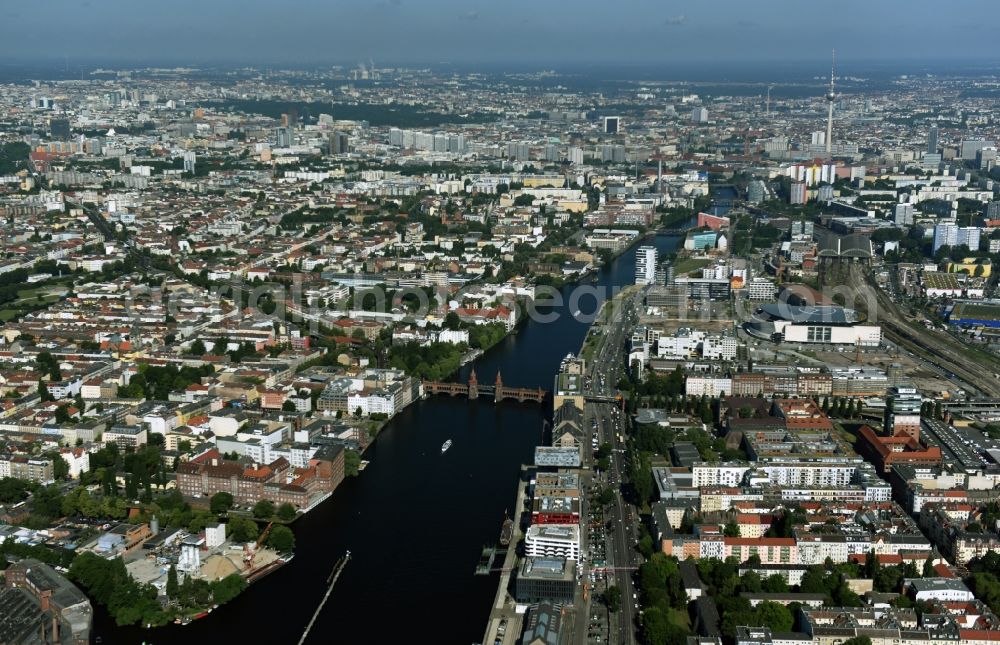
(463, 32)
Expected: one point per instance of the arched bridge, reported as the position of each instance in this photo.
(473, 390)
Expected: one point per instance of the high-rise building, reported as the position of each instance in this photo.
(932, 140)
(969, 236)
(699, 115)
(970, 147)
(831, 96)
(612, 124)
(190, 158)
(818, 138)
(612, 153)
(798, 193)
(945, 234)
(755, 191)
(991, 211)
(518, 151)
(645, 265)
(574, 155)
(552, 153)
(338, 143)
(902, 411)
(986, 157)
(903, 214)
(283, 137)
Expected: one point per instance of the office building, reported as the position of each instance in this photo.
(339, 143)
(282, 137)
(932, 140)
(902, 411)
(612, 124)
(756, 191)
(541, 579)
(645, 265)
(553, 541)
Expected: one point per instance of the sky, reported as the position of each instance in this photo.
(542, 32)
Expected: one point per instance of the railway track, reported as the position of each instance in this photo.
(935, 347)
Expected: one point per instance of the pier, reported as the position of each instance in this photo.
(473, 389)
(331, 581)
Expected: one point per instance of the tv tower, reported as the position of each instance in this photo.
(830, 98)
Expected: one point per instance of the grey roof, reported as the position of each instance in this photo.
(542, 624)
(813, 314)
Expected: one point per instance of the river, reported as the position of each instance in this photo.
(415, 520)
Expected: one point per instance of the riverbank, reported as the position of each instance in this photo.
(409, 483)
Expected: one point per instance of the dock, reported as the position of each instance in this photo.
(504, 607)
(485, 566)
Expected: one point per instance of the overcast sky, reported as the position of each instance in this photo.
(519, 31)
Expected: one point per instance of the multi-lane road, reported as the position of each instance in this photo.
(604, 370)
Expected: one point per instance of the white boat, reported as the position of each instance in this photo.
(445, 446)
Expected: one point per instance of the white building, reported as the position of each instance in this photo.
(553, 541)
(761, 289)
(708, 386)
(215, 535)
(944, 589)
(645, 265)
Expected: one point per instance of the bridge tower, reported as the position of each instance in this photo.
(498, 389)
(473, 385)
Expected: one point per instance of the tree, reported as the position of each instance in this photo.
(242, 529)
(263, 509)
(60, 469)
(612, 598)
(858, 640)
(62, 415)
(288, 406)
(928, 571)
(221, 502)
(281, 538)
(172, 585)
(228, 588)
(732, 529)
(197, 348)
(286, 512)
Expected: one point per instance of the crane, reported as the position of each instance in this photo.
(249, 555)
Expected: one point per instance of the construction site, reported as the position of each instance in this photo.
(209, 556)
(932, 354)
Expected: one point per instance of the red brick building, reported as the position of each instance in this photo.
(277, 482)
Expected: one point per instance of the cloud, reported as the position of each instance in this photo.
(675, 21)
(469, 15)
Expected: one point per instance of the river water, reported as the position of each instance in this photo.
(415, 520)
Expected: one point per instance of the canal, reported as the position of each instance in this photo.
(415, 520)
